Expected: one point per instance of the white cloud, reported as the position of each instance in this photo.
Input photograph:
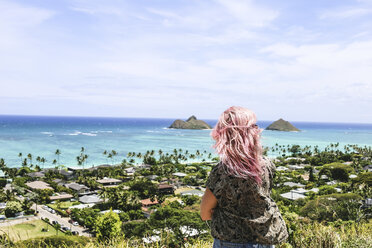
(346, 13)
(250, 13)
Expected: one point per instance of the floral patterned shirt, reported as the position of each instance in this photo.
(245, 212)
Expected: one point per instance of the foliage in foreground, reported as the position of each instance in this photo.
(305, 235)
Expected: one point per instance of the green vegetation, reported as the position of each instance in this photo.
(108, 226)
(28, 230)
(334, 210)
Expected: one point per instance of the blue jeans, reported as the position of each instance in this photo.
(226, 244)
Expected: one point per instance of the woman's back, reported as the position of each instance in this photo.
(245, 211)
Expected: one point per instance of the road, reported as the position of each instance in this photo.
(61, 220)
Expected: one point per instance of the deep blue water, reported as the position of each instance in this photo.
(41, 136)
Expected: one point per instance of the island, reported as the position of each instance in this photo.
(282, 125)
(190, 123)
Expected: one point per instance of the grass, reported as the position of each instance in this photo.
(29, 230)
(63, 205)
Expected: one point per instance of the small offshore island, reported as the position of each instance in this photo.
(190, 123)
(282, 125)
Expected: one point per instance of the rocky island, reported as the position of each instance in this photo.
(190, 123)
(282, 125)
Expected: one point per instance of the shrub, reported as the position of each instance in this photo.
(337, 171)
(55, 241)
(365, 178)
(12, 208)
(331, 207)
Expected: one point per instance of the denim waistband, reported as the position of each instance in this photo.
(226, 244)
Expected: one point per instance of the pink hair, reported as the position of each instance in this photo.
(238, 143)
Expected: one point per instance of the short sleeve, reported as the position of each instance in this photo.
(212, 181)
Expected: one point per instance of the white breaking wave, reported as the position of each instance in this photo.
(47, 133)
(89, 134)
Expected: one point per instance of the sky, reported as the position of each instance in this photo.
(299, 60)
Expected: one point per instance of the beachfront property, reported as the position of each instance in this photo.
(38, 185)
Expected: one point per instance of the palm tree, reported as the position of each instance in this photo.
(58, 152)
(29, 156)
(21, 156)
(43, 160)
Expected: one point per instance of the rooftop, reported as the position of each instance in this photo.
(108, 180)
(292, 195)
(38, 185)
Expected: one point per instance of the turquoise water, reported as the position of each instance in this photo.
(41, 136)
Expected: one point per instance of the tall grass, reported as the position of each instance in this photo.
(306, 235)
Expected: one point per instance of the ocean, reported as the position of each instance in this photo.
(42, 136)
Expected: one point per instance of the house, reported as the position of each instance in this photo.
(109, 182)
(2, 174)
(324, 177)
(193, 192)
(292, 195)
(90, 199)
(37, 174)
(282, 168)
(179, 174)
(115, 211)
(38, 185)
(2, 205)
(292, 184)
(61, 197)
(299, 191)
(295, 167)
(130, 171)
(144, 166)
(164, 188)
(99, 166)
(79, 188)
(367, 168)
(146, 203)
(152, 177)
(353, 176)
(81, 206)
(332, 182)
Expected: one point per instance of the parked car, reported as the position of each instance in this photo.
(53, 211)
(75, 233)
(55, 222)
(65, 228)
(75, 223)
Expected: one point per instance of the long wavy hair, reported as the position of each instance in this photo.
(238, 143)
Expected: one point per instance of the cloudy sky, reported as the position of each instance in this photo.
(297, 59)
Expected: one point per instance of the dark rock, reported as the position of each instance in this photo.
(190, 123)
(282, 125)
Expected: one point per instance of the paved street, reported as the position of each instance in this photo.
(61, 220)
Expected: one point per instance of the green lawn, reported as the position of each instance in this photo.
(29, 229)
(63, 205)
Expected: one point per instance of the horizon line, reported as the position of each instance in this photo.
(126, 117)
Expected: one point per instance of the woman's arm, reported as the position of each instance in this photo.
(208, 203)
